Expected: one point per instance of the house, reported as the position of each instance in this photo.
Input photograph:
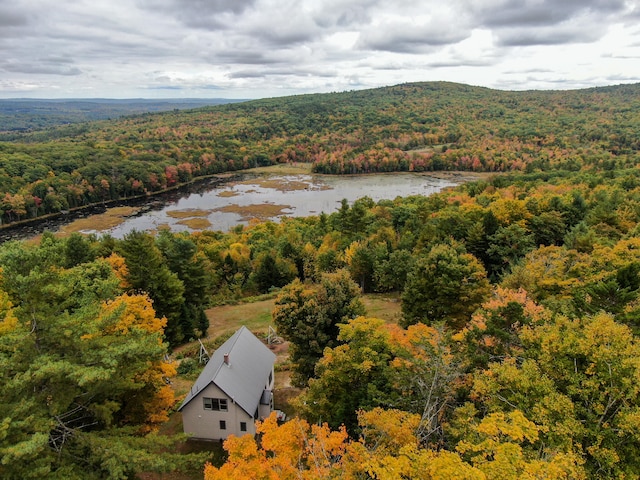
(233, 391)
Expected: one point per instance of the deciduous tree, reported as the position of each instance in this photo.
(308, 315)
(446, 284)
(580, 384)
(351, 376)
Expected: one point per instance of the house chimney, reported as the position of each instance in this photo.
(226, 359)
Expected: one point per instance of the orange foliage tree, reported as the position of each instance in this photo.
(388, 449)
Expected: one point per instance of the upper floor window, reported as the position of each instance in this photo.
(217, 404)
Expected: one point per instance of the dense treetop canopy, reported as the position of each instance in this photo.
(410, 127)
(516, 355)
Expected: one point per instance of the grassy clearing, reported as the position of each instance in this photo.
(432, 148)
(256, 316)
(279, 184)
(461, 177)
(282, 184)
(383, 306)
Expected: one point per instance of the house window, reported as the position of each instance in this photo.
(217, 404)
(243, 426)
(223, 425)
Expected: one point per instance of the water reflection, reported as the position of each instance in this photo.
(271, 197)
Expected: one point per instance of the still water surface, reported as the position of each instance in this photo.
(297, 196)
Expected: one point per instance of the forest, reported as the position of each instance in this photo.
(516, 354)
(20, 115)
(410, 127)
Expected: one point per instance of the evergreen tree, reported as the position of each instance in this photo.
(182, 258)
(82, 373)
(148, 272)
(77, 250)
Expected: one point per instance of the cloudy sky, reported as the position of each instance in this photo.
(266, 48)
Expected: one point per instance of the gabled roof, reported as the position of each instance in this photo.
(243, 379)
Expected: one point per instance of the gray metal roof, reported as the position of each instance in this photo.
(244, 378)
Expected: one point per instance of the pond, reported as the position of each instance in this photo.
(227, 200)
(268, 197)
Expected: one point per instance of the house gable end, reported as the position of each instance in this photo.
(240, 368)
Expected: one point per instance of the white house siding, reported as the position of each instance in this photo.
(242, 367)
(205, 424)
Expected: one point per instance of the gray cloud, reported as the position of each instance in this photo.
(547, 22)
(408, 37)
(12, 16)
(247, 74)
(558, 35)
(192, 8)
(622, 56)
(460, 62)
(42, 69)
(532, 83)
(528, 71)
(283, 72)
(45, 66)
(216, 6)
(633, 15)
(533, 13)
(244, 57)
(205, 14)
(165, 87)
(246, 48)
(623, 78)
(283, 29)
(344, 14)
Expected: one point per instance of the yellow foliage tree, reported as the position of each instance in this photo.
(8, 321)
(152, 402)
(427, 375)
(510, 211)
(496, 449)
(580, 385)
(119, 266)
(294, 450)
(388, 449)
(136, 311)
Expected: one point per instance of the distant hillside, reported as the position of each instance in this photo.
(409, 127)
(26, 114)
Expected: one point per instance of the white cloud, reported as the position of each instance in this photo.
(256, 48)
